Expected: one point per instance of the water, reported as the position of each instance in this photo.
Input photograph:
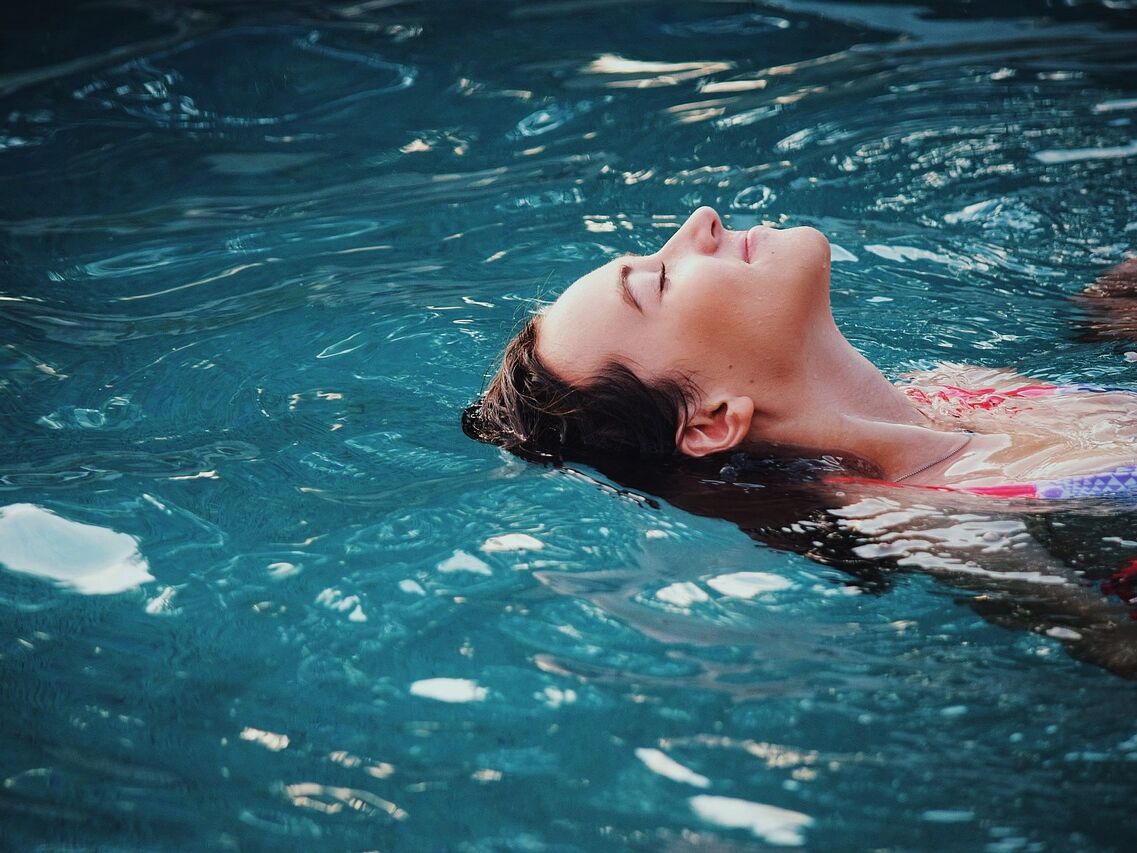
(256, 260)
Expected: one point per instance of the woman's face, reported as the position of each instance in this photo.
(729, 309)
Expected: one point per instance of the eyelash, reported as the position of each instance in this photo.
(662, 277)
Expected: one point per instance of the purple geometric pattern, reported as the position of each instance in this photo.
(1120, 482)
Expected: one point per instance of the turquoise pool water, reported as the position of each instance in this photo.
(259, 591)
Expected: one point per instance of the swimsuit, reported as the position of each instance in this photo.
(1120, 482)
(970, 399)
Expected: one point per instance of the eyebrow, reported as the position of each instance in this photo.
(625, 291)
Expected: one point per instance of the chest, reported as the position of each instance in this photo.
(1050, 430)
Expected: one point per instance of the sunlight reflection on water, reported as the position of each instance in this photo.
(255, 263)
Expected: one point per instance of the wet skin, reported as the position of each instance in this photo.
(707, 304)
(730, 310)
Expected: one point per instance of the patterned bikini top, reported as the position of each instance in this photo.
(1121, 482)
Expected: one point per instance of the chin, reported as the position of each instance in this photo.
(811, 243)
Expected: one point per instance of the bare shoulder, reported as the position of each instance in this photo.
(1110, 304)
(1117, 281)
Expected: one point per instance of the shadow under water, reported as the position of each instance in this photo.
(1059, 569)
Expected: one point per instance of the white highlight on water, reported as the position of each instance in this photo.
(774, 825)
(748, 584)
(1059, 632)
(86, 557)
(906, 253)
(449, 689)
(512, 542)
(283, 569)
(340, 347)
(681, 594)
(411, 587)
(161, 602)
(554, 697)
(663, 764)
(335, 600)
(839, 254)
(1113, 106)
(269, 740)
(1074, 155)
(460, 561)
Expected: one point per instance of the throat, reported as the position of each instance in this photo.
(847, 383)
(842, 404)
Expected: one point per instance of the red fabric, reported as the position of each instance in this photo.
(1010, 490)
(1123, 584)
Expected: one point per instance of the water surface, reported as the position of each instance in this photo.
(260, 592)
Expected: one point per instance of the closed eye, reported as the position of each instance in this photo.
(625, 291)
(662, 278)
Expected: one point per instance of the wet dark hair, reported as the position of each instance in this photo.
(615, 421)
(529, 410)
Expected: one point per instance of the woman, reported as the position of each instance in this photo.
(724, 341)
(718, 357)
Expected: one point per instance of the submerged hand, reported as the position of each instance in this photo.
(1110, 304)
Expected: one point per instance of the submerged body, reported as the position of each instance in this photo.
(1030, 439)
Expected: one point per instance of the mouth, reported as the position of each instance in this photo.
(750, 242)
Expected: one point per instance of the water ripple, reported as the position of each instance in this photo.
(731, 25)
(74, 470)
(256, 261)
(268, 77)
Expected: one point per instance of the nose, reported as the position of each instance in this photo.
(701, 233)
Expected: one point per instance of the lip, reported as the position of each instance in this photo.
(751, 241)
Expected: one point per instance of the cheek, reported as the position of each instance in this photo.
(697, 333)
(662, 345)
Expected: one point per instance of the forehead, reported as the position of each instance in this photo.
(581, 331)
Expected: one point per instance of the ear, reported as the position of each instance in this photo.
(720, 425)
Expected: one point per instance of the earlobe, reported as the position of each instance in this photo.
(720, 425)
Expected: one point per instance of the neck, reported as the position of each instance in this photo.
(840, 403)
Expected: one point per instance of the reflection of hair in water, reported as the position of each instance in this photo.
(1028, 568)
(746, 468)
(782, 502)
